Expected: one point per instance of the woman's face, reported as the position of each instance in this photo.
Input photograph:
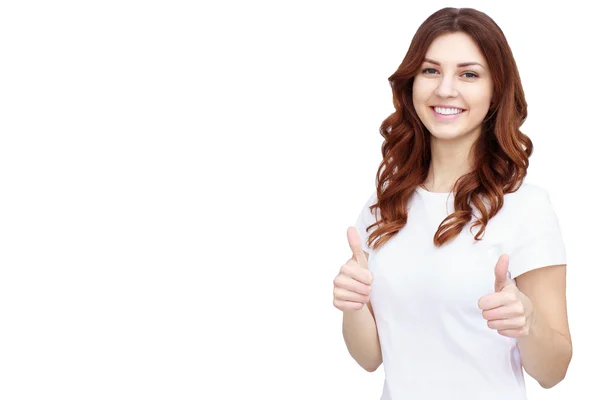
(443, 81)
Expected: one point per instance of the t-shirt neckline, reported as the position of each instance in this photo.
(437, 194)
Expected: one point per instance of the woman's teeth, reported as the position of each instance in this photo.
(447, 111)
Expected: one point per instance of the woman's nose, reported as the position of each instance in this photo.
(447, 88)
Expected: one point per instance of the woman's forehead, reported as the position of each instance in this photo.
(453, 50)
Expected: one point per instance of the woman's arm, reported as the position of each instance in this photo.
(546, 352)
(360, 334)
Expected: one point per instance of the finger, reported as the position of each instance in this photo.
(501, 273)
(495, 300)
(503, 312)
(347, 305)
(354, 271)
(346, 282)
(347, 295)
(509, 323)
(356, 246)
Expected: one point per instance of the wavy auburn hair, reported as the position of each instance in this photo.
(500, 156)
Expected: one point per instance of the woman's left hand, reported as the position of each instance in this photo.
(507, 310)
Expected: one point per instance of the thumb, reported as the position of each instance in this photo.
(501, 273)
(356, 246)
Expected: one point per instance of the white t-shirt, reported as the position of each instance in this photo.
(434, 340)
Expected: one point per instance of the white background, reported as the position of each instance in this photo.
(177, 178)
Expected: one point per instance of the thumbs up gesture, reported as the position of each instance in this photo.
(352, 285)
(507, 310)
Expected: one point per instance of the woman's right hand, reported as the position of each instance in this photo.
(352, 285)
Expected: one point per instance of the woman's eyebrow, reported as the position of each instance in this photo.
(465, 64)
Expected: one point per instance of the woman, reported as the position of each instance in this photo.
(462, 266)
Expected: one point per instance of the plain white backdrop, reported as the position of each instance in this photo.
(177, 178)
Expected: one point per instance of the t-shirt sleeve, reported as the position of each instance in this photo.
(366, 218)
(539, 242)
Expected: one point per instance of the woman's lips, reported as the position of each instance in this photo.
(444, 117)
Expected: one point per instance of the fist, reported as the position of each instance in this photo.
(352, 285)
(508, 310)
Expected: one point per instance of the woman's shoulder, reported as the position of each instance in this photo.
(529, 198)
(529, 191)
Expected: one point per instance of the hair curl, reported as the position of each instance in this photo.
(500, 154)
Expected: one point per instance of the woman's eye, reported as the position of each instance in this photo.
(469, 75)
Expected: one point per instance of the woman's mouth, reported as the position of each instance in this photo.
(447, 114)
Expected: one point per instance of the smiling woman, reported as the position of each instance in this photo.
(435, 90)
(453, 313)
